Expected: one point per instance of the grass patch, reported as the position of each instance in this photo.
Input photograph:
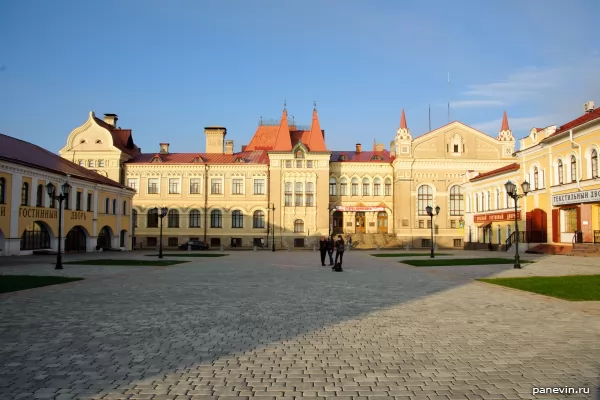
(12, 283)
(148, 263)
(408, 254)
(573, 288)
(188, 255)
(460, 261)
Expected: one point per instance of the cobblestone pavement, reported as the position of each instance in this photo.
(277, 325)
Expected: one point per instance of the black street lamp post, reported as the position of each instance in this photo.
(66, 191)
(163, 213)
(511, 190)
(273, 237)
(431, 214)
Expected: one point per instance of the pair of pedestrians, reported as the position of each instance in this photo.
(328, 245)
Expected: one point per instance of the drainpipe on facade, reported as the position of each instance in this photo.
(205, 199)
(580, 169)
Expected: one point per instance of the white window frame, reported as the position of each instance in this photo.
(222, 186)
(178, 180)
(264, 186)
(157, 186)
(136, 181)
(243, 179)
(199, 186)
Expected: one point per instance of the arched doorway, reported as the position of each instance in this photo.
(382, 222)
(36, 236)
(76, 240)
(123, 238)
(337, 223)
(360, 222)
(104, 238)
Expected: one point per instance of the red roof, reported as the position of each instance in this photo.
(25, 153)
(363, 156)
(576, 122)
(283, 141)
(403, 121)
(499, 171)
(122, 138)
(504, 123)
(251, 157)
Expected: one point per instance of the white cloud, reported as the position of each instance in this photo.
(476, 103)
(515, 124)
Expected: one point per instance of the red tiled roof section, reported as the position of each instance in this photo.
(122, 138)
(508, 168)
(283, 141)
(315, 140)
(363, 156)
(263, 139)
(25, 153)
(576, 122)
(251, 157)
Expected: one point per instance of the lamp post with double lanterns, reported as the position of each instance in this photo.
(273, 237)
(431, 214)
(511, 190)
(163, 213)
(66, 191)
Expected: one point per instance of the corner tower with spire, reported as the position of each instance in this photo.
(403, 139)
(506, 137)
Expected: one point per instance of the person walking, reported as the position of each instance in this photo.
(323, 249)
(339, 251)
(330, 246)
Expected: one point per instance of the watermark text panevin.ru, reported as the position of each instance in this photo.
(560, 390)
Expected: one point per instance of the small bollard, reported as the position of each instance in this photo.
(255, 248)
(377, 248)
(407, 247)
(189, 248)
(222, 248)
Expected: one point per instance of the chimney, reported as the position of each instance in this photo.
(111, 119)
(358, 148)
(164, 148)
(379, 147)
(244, 147)
(215, 139)
(229, 147)
(393, 148)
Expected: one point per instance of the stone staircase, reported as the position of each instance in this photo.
(372, 240)
(578, 249)
(586, 250)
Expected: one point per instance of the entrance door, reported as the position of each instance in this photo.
(104, 239)
(382, 222)
(360, 222)
(338, 223)
(75, 240)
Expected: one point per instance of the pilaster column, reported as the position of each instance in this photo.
(13, 239)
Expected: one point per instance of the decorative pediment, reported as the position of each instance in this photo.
(156, 159)
(299, 150)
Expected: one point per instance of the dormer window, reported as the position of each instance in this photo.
(239, 160)
(299, 154)
(343, 157)
(376, 158)
(156, 159)
(197, 159)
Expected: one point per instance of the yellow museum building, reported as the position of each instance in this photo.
(563, 204)
(96, 213)
(285, 184)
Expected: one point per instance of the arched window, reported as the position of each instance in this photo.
(365, 186)
(173, 219)
(298, 195)
(288, 194)
(535, 179)
(25, 194)
(354, 187)
(39, 198)
(424, 198)
(343, 187)
(124, 210)
(298, 225)
(388, 187)
(134, 215)
(195, 219)
(332, 186)
(2, 190)
(258, 219)
(561, 175)
(456, 201)
(106, 205)
(216, 219)
(35, 236)
(114, 206)
(573, 169)
(376, 187)
(310, 194)
(237, 219)
(152, 218)
(594, 166)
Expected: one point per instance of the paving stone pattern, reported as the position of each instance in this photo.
(278, 326)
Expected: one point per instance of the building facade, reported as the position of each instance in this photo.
(561, 165)
(96, 214)
(286, 185)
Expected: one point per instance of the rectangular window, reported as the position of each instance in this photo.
(421, 224)
(570, 218)
(309, 195)
(376, 189)
(388, 189)
(425, 242)
(309, 164)
(89, 202)
(101, 163)
(195, 185)
(67, 202)
(216, 186)
(173, 242)
(78, 201)
(173, 185)
(343, 188)
(457, 242)
(456, 148)
(259, 186)
(151, 241)
(237, 186)
(298, 164)
(365, 189)
(428, 224)
(332, 186)
(453, 224)
(288, 164)
(133, 183)
(354, 188)
(153, 185)
(298, 199)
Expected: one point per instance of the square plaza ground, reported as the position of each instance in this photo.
(278, 325)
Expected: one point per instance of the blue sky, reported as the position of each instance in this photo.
(170, 68)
